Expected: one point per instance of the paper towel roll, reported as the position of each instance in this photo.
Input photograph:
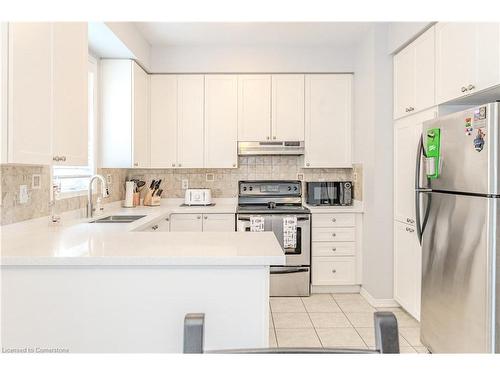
(129, 194)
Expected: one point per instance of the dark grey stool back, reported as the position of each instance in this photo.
(386, 339)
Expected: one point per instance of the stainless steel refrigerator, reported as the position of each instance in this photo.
(457, 196)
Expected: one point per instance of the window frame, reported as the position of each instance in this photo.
(93, 67)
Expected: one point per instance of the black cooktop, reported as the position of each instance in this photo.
(279, 209)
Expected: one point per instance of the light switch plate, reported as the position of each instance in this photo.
(109, 179)
(185, 184)
(23, 194)
(36, 181)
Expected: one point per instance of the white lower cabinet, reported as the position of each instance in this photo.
(202, 222)
(218, 223)
(407, 268)
(334, 249)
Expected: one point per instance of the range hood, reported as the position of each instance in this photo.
(271, 148)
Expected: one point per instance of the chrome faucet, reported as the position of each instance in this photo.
(104, 193)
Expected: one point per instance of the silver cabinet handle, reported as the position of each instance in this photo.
(411, 109)
(274, 137)
(334, 271)
(470, 87)
(267, 137)
(410, 230)
(307, 164)
(63, 158)
(56, 158)
(334, 234)
(167, 219)
(334, 220)
(205, 217)
(334, 249)
(173, 164)
(136, 164)
(154, 227)
(198, 217)
(180, 165)
(407, 109)
(234, 165)
(463, 89)
(410, 221)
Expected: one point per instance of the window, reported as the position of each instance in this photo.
(73, 181)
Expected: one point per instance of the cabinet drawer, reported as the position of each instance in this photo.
(330, 249)
(332, 220)
(333, 271)
(333, 234)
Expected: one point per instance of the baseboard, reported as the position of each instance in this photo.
(378, 302)
(335, 289)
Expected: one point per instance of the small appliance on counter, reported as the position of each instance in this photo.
(198, 197)
(334, 193)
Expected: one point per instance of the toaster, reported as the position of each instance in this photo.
(198, 197)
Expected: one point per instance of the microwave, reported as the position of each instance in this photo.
(335, 193)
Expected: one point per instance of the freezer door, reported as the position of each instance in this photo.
(457, 274)
(465, 165)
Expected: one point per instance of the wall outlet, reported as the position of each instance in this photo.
(23, 194)
(300, 176)
(109, 179)
(185, 184)
(355, 177)
(209, 177)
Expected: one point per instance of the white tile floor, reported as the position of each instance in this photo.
(334, 320)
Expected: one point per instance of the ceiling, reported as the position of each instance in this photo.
(252, 33)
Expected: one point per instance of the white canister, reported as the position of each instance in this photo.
(129, 194)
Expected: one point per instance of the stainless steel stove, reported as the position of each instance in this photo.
(273, 202)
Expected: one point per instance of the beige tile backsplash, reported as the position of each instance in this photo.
(224, 184)
(13, 175)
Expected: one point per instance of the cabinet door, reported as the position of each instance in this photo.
(288, 107)
(163, 126)
(218, 223)
(70, 93)
(407, 268)
(30, 93)
(455, 59)
(140, 123)
(333, 270)
(186, 223)
(487, 72)
(190, 101)
(407, 133)
(221, 121)
(404, 81)
(328, 109)
(254, 107)
(424, 71)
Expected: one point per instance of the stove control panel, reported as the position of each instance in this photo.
(270, 188)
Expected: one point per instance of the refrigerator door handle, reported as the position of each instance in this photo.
(419, 224)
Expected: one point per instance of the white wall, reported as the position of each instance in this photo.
(250, 59)
(135, 42)
(373, 134)
(401, 33)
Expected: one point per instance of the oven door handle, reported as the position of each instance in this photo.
(299, 218)
(285, 270)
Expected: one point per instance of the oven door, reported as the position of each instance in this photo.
(298, 256)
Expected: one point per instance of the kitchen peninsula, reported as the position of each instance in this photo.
(89, 287)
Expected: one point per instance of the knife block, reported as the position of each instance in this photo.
(150, 200)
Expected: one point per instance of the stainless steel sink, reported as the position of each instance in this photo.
(119, 219)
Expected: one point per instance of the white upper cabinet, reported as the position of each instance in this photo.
(221, 121)
(30, 93)
(414, 79)
(467, 58)
(47, 93)
(328, 120)
(124, 111)
(70, 93)
(190, 101)
(254, 107)
(163, 119)
(407, 133)
(287, 107)
(140, 121)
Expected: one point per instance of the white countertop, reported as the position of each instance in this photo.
(357, 207)
(75, 241)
